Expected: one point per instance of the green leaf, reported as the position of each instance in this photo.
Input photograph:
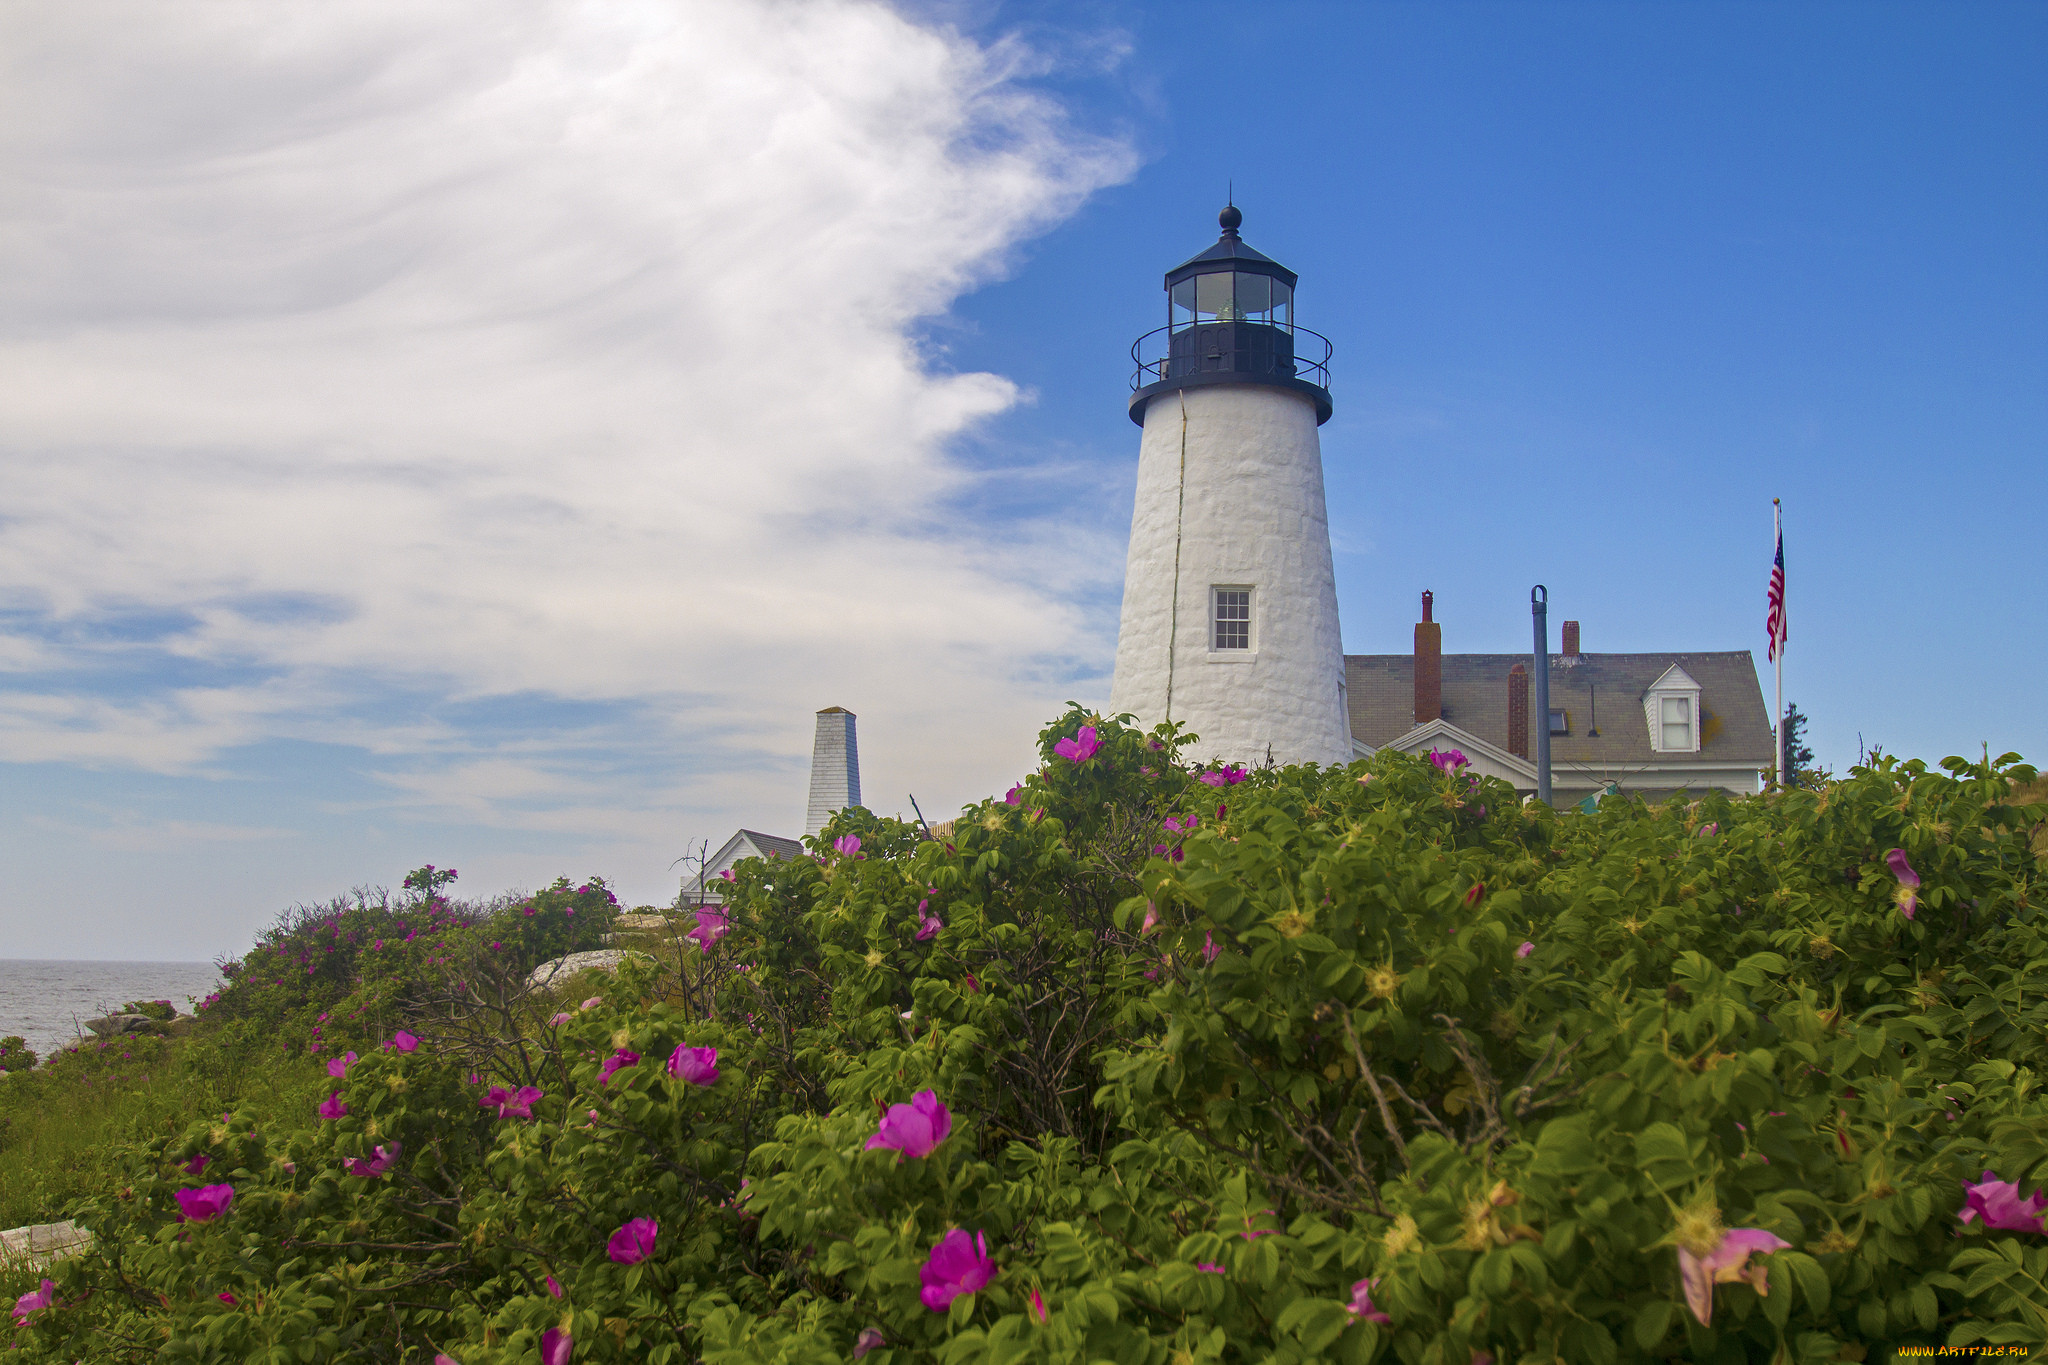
(1315, 1323)
(1810, 1275)
(1653, 1320)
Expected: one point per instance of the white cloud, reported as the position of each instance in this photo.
(560, 350)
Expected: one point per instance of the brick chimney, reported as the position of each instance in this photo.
(1571, 643)
(1518, 710)
(1429, 664)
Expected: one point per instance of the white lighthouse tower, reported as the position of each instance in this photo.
(1230, 603)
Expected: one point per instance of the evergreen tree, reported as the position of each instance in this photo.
(1799, 769)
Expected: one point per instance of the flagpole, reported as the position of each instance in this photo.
(1778, 535)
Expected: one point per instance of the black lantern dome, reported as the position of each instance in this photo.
(1230, 320)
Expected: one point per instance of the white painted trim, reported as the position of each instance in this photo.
(1233, 656)
(1422, 737)
(1666, 683)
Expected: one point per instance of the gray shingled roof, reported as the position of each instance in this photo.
(775, 846)
(1607, 688)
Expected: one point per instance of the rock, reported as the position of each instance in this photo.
(562, 968)
(114, 1025)
(35, 1246)
(639, 923)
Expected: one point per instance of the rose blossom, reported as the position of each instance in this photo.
(913, 1129)
(958, 1265)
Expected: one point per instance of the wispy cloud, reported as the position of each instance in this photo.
(387, 359)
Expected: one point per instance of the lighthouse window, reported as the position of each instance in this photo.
(1212, 298)
(1233, 618)
(1254, 297)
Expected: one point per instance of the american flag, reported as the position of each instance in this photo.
(1775, 621)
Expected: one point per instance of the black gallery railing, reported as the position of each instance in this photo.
(1247, 348)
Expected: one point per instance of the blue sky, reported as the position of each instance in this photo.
(485, 439)
(1604, 279)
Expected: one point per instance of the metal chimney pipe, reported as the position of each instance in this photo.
(1539, 607)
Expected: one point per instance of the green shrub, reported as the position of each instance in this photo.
(1307, 1064)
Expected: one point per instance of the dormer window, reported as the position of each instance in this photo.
(1676, 723)
(1671, 707)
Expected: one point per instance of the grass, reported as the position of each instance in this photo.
(64, 1125)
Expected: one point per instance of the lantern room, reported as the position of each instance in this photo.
(1230, 319)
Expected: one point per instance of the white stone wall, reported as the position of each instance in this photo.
(835, 768)
(1253, 515)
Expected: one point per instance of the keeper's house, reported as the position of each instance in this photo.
(1642, 724)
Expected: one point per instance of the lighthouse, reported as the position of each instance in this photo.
(1229, 621)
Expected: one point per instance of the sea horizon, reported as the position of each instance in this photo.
(47, 1000)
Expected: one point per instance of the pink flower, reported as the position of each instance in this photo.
(1708, 830)
(1015, 797)
(1038, 1312)
(1079, 749)
(592, 1003)
(555, 1347)
(403, 1042)
(2001, 1206)
(554, 1286)
(225, 1297)
(1725, 1265)
(440, 1359)
(1210, 952)
(196, 1166)
(1223, 777)
(1174, 824)
(204, 1204)
(1151, 918)
(332, 1107)
(634, 1242)
(712, 925)
(1209, 1267)
(513, 1104)
(624, 1057)
(870, 1339)
(1526, 949)
(558, 1019)
(1449, 761)
(338, 1067)
(34, 1302)
(958, 1265)
(375, 1167)
(1909, 881)
(928, 925)
(694, 1065)
(914, 1129)
(1361, 1307)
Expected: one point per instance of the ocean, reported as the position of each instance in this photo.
(45, 1002)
